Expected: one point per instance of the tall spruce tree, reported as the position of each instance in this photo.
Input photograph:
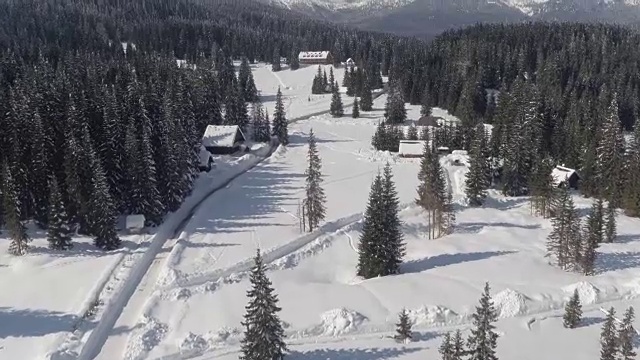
(631, 198)
(403, 328)
(392, 239)
(610, 155)
(366, 100)
(564, 241)
(433, 194)
(412, 133)
(58, 231)
(261, 129)
(247, 84)
(276, 64)
(336, 109)
(592, 237)
(11, 214)
(572, 311)
(477, 182)
(263, 335)
(394, 110)
(446, 348)
(626, 336)
(483, 340)
(355, 110)
(610, 228)
(315, 198)
(608, 337)
(542, 188)
(457, 345)
(370, 262)
(280, 124)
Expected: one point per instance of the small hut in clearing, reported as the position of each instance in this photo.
(223, 139)
(315, 57)
(564, 176)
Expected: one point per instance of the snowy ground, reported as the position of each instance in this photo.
(190, 295)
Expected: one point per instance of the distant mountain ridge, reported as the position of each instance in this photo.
(427, 18)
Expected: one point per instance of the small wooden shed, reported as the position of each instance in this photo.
(564, 176)
(134, 224)
(223, 139)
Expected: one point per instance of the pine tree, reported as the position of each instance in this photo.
(394, 110)
(564, 241)
(608, 340)
(317, 86)
(446, 348)
(593, 236)
(279, 128)
(403, 328)
(245, 80)
(458, 351)
(11, 215)
(294, 61)
(261, 130)
(610, 225)
(542, 188)
(392, 240)
(58, 232)
(477, 181)
(610, 155)
(379, 139)
(355, 112)
(412, 133)
(631, 198)
(315, 198)
(626, 335)
(336, 109)
(483, 340)
(353, 80)
(263, 336)
(425, 110)
(366, 100)
(370, 262)
(572, 311)
(332, 81)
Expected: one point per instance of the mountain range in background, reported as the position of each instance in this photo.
(427, 18)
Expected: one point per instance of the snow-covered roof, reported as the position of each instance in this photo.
(561, 174)
(313, 55)
(135, 222)
(185, 64)
(411, 147)
(221, 135)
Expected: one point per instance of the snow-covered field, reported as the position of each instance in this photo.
(187, 298)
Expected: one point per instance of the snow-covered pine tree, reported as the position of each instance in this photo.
(631, 198)
(477, 183)
(572, 311)
(370, 262)
(355, 110)
(446, 348)
(263, 335)
(393, 240)
(563, 241)
(246, 82)
(412, 133)
(542, 188)
(610, 228)
(626, 335)
(346, 79)
(326, 87)
(332, 81)
(379, 139)
(608, 337)
(433, 195)
(294, 61)
(261, 130)
(11, 214)
(58, 231)
(315, 199)
(394, 110)
(351, 84)
(403, 328)
(425, 135)
(280, 125)
(366, 100)
(610, 154)
(457, 345)
(483, 340)
(592, 237)
(317, 86)
(102, 215)
(336, 109)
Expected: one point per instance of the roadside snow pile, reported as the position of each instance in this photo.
(193, 344)
(588, 293)
(279, 152)
(433, 315)
(337, 322)
(142, 341)
(377, 156)
(510, 303)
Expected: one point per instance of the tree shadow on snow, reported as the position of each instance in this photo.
(32, 323)
(351, 354)
(504, 203)
(590, 321)
(302, 139)
(617, 261)
(86, 249)
(442, 260)
(627, 238)
(475, 227)
(264, 191)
